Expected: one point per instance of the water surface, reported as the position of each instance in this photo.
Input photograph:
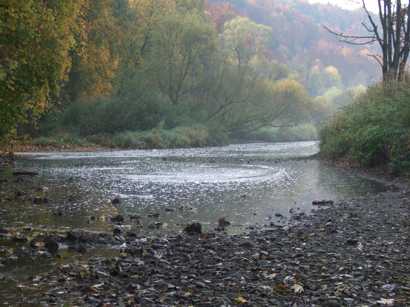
(248, 184)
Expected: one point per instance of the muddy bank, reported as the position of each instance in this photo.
(346, 254)
(27, 147)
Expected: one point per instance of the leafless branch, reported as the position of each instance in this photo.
(352, 39)
(377, 58)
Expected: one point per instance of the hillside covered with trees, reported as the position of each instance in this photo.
(145, 73)
(300, 40)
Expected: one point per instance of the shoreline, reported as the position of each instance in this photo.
(30, 148)
(349, 254)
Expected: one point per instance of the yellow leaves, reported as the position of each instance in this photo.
(290, 92)
(39, 38)
(332, 71)
(244, 38)
(241, 300)
(298, 289)
(100, 66)
(386, 302)
(288, 86)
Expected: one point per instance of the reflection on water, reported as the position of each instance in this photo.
(247, 184)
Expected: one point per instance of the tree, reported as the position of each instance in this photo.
(393, 37)
(243, 38)
(99, 49)
(180, 44)
(35, 38)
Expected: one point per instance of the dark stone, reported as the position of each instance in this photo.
(79, 248)
(19, 239)
(117, 231)
(154, 215)
(247, 244)
(25, 173)
(222, 222)
(58, 213)
(40, 200)
(131, 234)
(117, 219)
(193, 229)
(352, 242)
(331, 303)
(156, 225)
(51, 245)
(72, 236)
(116, 201)
(18, 194)
(323, 203)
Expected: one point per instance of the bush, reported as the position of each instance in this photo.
(373, 131)
(156, 138)
(105, 116)
(60, 141)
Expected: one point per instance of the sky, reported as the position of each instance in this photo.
(349, 4)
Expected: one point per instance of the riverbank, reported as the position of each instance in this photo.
(158, 138)
(364, 133)
(347, 254)
(63, 244)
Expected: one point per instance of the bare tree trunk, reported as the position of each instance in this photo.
(393, 38)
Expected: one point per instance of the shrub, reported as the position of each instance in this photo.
(61, 140)
(160, 138)
(373, 131)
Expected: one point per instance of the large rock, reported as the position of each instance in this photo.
(118, 219)
(51, 245)
(193, 229)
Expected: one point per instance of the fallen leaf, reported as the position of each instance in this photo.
(298, 289)
(270, 276)
(241, 300)
(386, 301)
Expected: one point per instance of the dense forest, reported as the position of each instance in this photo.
(152, 73)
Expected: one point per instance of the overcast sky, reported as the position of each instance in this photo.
(349, 4)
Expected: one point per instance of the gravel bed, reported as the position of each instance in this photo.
(353, 253)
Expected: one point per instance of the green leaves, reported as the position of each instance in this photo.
(36, 40)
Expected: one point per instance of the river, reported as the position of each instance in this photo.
(248, 184)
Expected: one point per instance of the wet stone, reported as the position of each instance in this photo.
(118, 219)
(40, 200)
(193, 229)
(51, 245)
(116, 201)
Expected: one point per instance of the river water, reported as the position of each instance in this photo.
(248, 184)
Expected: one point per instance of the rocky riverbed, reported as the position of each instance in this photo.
(352, 253)
(61, 245)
